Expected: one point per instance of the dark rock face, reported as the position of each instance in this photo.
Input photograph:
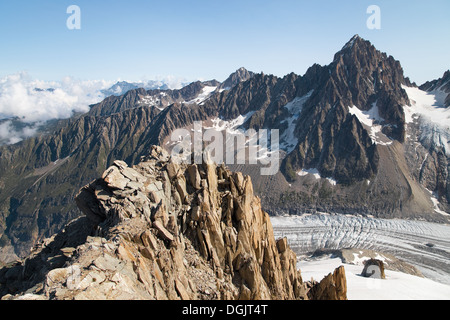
(332, 287)
(364, 75)
(441, 84)
(235, 78)
(373, 268)
(331, 139)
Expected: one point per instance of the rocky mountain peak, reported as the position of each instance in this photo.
(355, 41)
(360, 56)
(366, 77)
(447, 76)
(236, 77)
(442, 84)
(357, 47)
(360, 80)
(438, 83)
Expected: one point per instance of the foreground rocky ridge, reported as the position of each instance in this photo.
(161, 230)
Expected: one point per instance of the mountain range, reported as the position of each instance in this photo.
(122, 87)
(357, 136)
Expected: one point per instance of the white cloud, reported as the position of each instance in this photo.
(10, 134)
(35, 100)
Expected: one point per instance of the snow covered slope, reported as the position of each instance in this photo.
(207, 91)
(396, 286)
(434, 118)
(288, 139)
(371, 121)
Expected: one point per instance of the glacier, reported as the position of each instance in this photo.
(434, 118)
(424, 245)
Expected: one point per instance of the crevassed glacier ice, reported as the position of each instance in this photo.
(423, 244)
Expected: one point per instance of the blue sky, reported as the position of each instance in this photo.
(199, 39)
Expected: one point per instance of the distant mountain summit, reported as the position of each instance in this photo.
(439, 86)
(194, 92)
(333, 136)
(122, 87)
(236, 77)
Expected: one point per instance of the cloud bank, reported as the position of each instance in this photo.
(27, 103)
(10, 134)
(33, 100)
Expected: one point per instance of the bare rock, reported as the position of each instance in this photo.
(164, 233)
(194, 177)
(373, 268)
(332, 287)
(282, 245)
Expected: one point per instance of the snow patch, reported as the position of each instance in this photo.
(152, 100)
(359, 258)
(429, 105)
(231, 126)
(234, 127)
(288, 141)
(434, 119)
(315, 173)
(436, 203)
(396, 286)
(207, 91)
(371, 119)
(351, 43)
